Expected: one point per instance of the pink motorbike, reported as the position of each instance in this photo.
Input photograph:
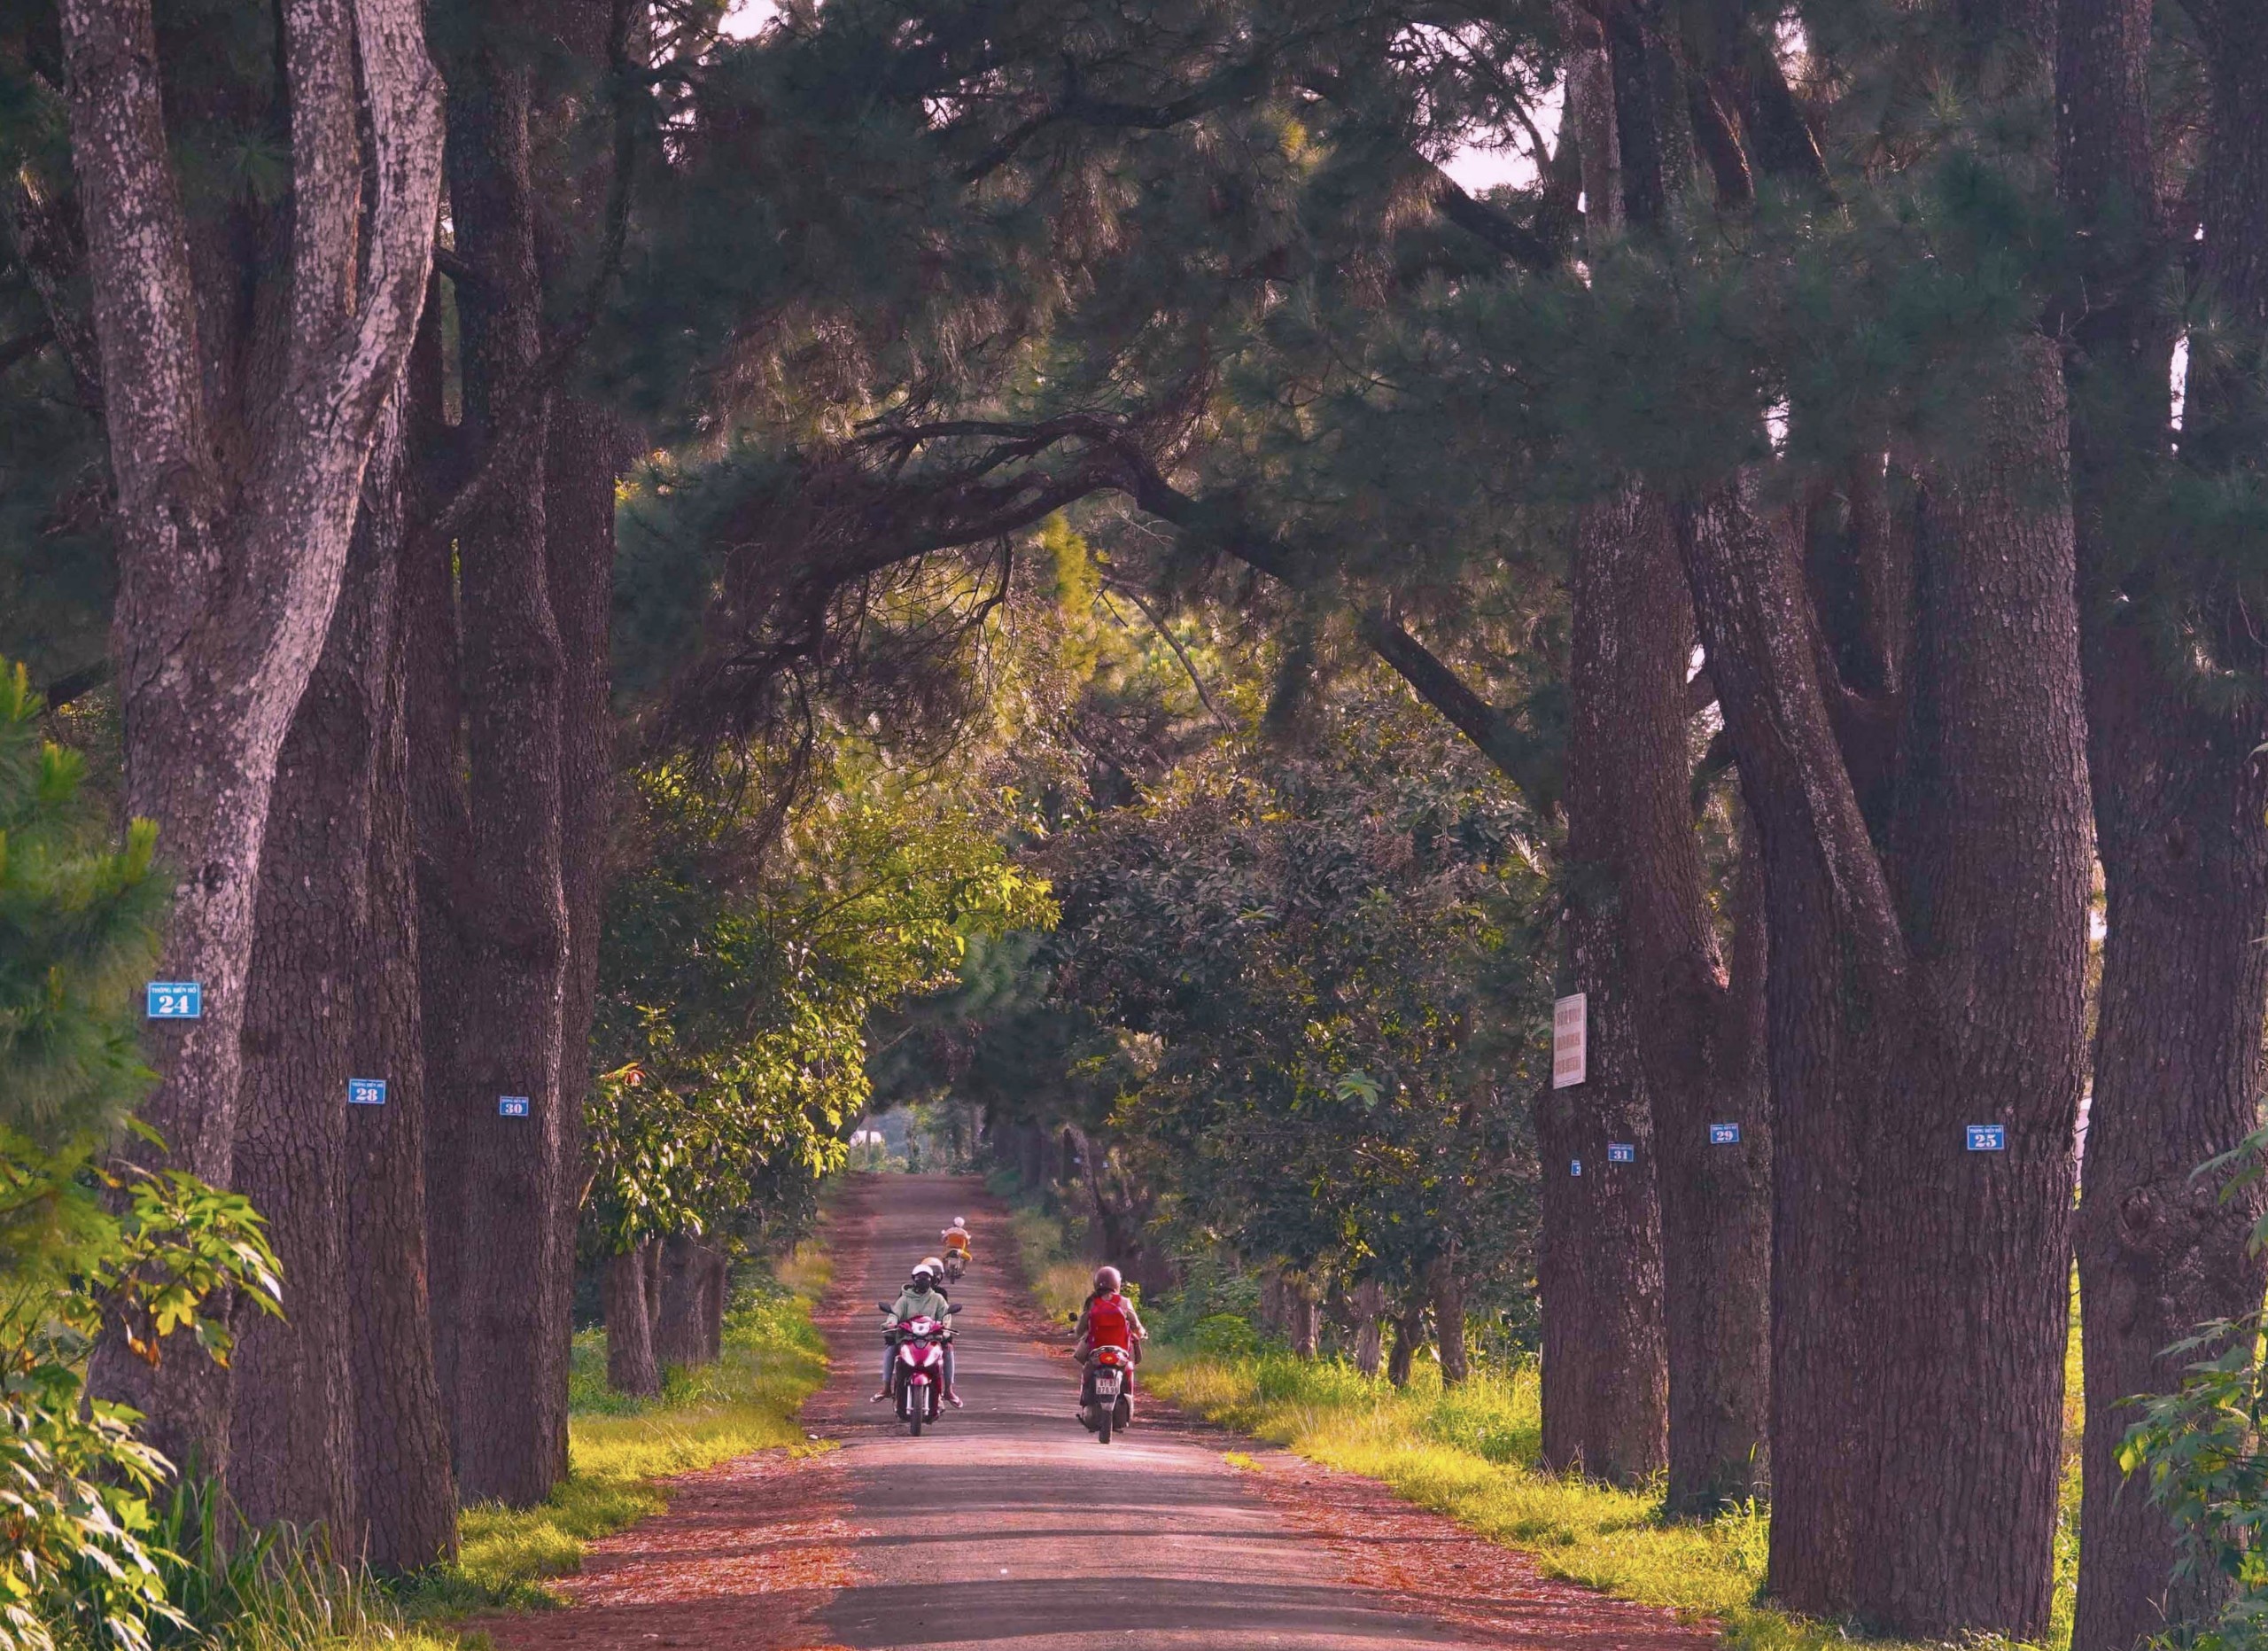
(917, 1375)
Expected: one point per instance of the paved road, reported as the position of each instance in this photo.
(1009, 1525)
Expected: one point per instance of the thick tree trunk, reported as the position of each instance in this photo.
(441, 822)
(1409, 1336)
(1563, 1286)
(1969, 1257)
(510, 1370)
(1369, 1311)
(2180, 795)
(584, 459)
(651, 1251)
(716, 1293)
(1445, 1288)
(678, 1338)
(232, 541)
(631, 1367)
(1030, 1140)
(1699, 1042)
(406, 1491)
(291, 1454)
(1306, 1315)
(1602, 1225)
(1921, 1291)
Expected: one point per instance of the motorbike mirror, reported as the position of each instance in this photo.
(1070, 1317)
(952, 1307)
(883, 1306)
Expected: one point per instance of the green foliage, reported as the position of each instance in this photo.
(85, 1557)
(238, 1589)
(78, 926)
(738, 985)
(1316, 979)
(151, 1253)
(2200, 1449)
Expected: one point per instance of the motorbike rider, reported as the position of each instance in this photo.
(922, 1298)
(955, 1237)
(1108, 1320)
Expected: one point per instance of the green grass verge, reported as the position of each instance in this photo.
(1050, 1247)
(620, 1448)
(1471, 1452)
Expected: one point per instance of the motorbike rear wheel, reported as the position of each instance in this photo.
(1102, 1428)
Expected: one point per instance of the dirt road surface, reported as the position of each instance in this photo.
(1009, 1526)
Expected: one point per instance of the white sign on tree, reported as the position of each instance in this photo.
(1570, 1041)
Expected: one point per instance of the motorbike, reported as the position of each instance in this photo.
(1109, 1392)
(956, 1264)
(917, 1375)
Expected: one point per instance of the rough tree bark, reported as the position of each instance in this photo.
(1409, 1336)
(1369, 1309)
(1696, 1029)
(291, 1453)
(678, 1338)
(232, 541)
(406, 1490)
(587, 451)
(1306, 1315)
(510, 1371)
(1603, 1255)
(716, 1291)
(585, 458)
(1919, 984)
(1445, 1292)
(631, 1367)
(2180, 795)
(441, 822)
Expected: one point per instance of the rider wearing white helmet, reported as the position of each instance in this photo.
(923, 1297)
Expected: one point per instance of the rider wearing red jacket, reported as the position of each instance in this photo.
(1108, 1320)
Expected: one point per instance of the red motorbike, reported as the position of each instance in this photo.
(917, 1375)
(1108, 1401)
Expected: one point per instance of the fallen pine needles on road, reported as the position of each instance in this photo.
(620, 1448)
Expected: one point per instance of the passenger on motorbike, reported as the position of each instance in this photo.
(1108, 1320)
(922, 1298)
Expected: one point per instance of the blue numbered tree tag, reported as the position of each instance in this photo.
(1724, 1134)
(1988, 1138)
(1575, 1167)
(176, 1000)
(366, 1092)
(1621, 1152)
(511, 1106)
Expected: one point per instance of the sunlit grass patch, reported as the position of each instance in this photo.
(1060, 1275)
(1473, 1453)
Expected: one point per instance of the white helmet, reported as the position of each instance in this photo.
(961, 1220)
(925, 1273)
